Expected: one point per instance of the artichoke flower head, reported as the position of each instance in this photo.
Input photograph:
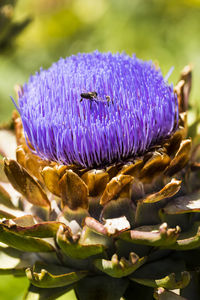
(132, 109)
(97, 198)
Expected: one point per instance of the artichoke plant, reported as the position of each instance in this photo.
(99, 184)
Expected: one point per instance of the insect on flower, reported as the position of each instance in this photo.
(93, 97)
(90, 96)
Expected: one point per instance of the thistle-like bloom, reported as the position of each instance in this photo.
(130, 108)
(107, 233)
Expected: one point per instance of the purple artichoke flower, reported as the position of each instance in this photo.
(98, 108)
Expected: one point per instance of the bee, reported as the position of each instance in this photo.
(93, 97)
(90, 96)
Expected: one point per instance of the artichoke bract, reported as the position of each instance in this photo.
(99, 188)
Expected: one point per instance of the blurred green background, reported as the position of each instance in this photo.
(160, 30)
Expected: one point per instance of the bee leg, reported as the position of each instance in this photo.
(81, 100)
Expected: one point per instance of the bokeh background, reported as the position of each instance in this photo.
(165, 31)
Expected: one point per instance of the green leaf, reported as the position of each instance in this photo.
(152, 235)
(119, 268)
(23, 243)
(189, 239)
(90, 243)
(52, 276)
(169, 282)
(42, 230)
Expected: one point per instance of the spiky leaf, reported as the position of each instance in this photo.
(52, 276)
(119, 268)
(23, 243)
